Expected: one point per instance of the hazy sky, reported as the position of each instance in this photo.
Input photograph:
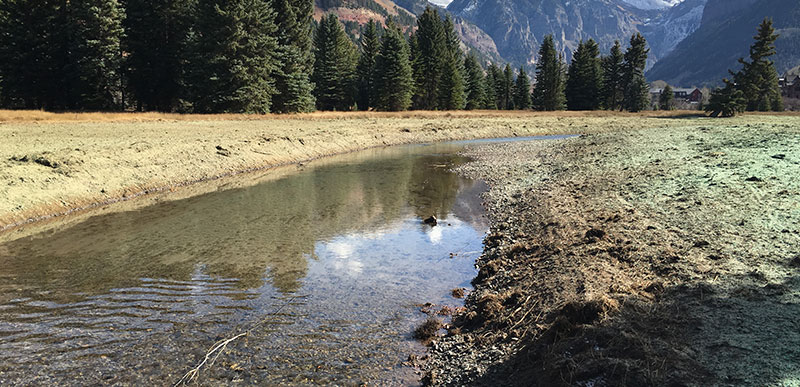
(443, 3)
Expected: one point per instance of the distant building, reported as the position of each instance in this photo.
(790, 86)
(688, 95)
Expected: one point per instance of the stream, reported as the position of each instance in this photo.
(325, 268)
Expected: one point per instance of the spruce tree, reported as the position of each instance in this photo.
(294, 90)
(394, 82)
(507, 89)
(637, 96)
(232, 57)
(548, 93)
(613, 75)
(758, 79)
(96, 56)
(334, 66)
(431, 49)
(727, 101)
(475, 88)
(34, 54)
(522, 91)
(666, 98)
(370, 46)
(156, 40)
(584, 78)
(451, 85)
(493, 73)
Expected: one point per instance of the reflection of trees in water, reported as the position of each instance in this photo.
(268, 230)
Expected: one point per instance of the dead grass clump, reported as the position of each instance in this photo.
(457, 293)
(427, 330)
(588, 312)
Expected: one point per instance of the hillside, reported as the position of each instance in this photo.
(355, 13)
(725, 34)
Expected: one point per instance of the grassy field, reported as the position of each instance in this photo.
(61, 163)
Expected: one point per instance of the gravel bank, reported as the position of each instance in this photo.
(647, 257)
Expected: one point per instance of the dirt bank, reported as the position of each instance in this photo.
(53, 164)
(647, 257)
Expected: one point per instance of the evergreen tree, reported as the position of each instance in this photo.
(96, 56)
(30, 54)
(334, 67)
(291, 75)
(584, 79)
(637, 95)
(506, 89)
(451, 85)
(726, 101)
(475, 88)
(232, 57)
(522, 91)
(493, 75)
(431, 48)
(613, 75)
(548, 93)
(156, 41)
(758, 79)
(393, 73)
(370, 46)
(666, 98)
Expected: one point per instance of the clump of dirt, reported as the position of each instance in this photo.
(457, 293)
(636, 258)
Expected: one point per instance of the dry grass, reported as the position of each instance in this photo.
(28, 116)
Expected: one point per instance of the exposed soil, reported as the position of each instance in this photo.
(648, 257)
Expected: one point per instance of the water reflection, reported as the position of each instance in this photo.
(138, 295)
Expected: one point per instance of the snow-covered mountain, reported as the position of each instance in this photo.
(653, 4)
(672, 26)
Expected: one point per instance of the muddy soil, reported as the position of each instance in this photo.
(648, 257)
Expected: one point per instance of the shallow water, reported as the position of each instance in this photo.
(323, 267)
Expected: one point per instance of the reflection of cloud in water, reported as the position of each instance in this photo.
(435, 234)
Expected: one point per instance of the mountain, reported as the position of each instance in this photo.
(672, 26)
(725, 34)
(519, 26)
(653, 4)
(355, 13)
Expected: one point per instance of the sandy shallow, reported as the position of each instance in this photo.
(645, 257)
(57, 164)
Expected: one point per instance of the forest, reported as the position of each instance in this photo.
(271, 56)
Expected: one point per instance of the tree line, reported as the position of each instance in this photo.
(260, 56)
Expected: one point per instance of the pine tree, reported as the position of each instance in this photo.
(613, 75)
(493, 74)
(475, 88)
(334, 66)
(758, 79)
(394, 82)
(34, 52)
(584, 79)
(293, 72)
(370, 46)
(548, 93)
(666, 98)
(451, 85)
(507, 89)
(637, 96)
(727, 101)
(232, 57)
(96, 55)
(431, 48)
(156, 41)
(522, 91)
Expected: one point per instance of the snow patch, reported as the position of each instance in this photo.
(653, 4)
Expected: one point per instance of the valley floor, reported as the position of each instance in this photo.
(644, 257)
(56, 164)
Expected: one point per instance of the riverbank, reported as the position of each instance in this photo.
(53, 164)
(645, 257)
